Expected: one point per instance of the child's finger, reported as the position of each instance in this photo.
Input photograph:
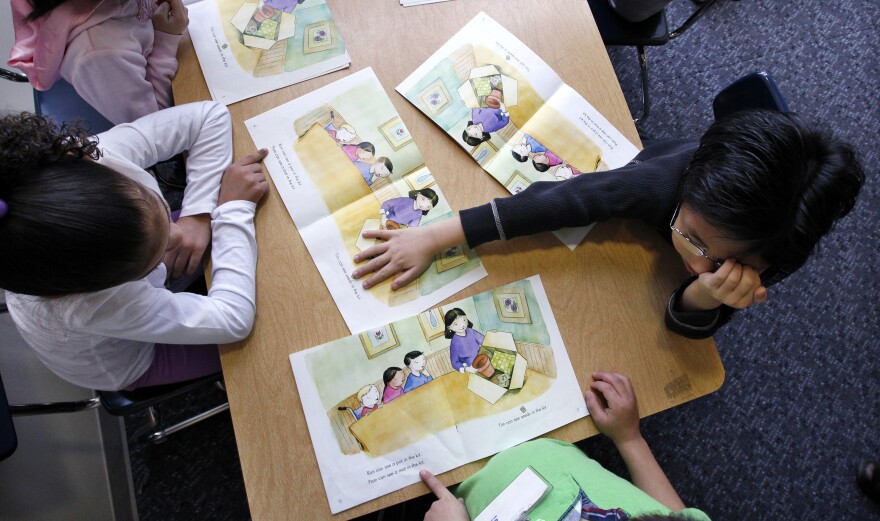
(606, 389)
(372, 251)
(436, 486)
(382, 275)
(378, 234)
(376, 260)
(761, 294)
(253, 157)
(595, 407)
(405, 278)
(374, 266)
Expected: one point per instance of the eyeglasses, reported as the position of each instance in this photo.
(686, 242)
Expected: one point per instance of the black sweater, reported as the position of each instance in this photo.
(646, 189)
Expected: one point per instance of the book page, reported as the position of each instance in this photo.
(248, 48)
(435, 391)
(499, 101)
(343, 162)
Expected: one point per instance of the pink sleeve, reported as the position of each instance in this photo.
(162, 66)
(113, 81)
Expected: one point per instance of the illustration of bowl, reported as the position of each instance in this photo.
(483, 365)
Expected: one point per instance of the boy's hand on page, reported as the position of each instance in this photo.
(408, 251)
(244, 179)
(171, 17)
(733, 284)
(618, 416)
(189, 238)
(447, 507)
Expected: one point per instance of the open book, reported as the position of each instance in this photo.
(435, 391)
(499, 101)
(343, 162)
(247, 48)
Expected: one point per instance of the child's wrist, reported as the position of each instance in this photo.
(695, 298)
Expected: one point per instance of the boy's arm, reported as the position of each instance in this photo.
(618, 418)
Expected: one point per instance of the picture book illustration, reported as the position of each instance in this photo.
(508, 109)
(437, 390)
(249, 48)
(344, 162)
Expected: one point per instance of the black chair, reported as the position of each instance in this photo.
(654, 31)
(753, 91)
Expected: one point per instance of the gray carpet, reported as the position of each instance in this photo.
(800, 406)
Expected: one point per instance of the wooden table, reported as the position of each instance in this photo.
(609, 295)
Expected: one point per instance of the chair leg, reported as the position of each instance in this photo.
(706, 4)
(646, 100)
(153, 418)
(160, 435)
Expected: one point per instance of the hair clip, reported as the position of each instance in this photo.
(4, 208)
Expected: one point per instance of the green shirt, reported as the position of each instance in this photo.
(569, 470)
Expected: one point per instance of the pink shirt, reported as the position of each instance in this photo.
(116, 62)
(391, 393)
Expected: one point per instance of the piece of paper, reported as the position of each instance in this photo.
(249, 48)
(512, 113)
(517, 499)
(343, 162)
(385, 404)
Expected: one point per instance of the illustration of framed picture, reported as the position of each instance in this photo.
(377, 341)
(511, 305)
(395, 132)
(517, 183)
(435, 97)
(451, 257)
(421, 178)
(483, 152)
(432, 323)
(318, 37)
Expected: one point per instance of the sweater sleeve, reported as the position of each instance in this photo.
(644, 189)
(140, 312)
(203, 128)
(162, 66)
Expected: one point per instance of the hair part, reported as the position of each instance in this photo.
(73, 225)
(366, 145)
(472, 141)
(772, 181)
(428, 193)
(409, 357)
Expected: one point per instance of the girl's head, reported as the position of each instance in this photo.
(393, 376)
(425, 199)
(768, 186)
(541, 162)
(521, 152)
(365, 151)
(456, 322)
(368, 395)
(382, 167)
(72, 224)
(473, 135)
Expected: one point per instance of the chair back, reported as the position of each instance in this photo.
(121, 403)
(753, 91)
(616, 30)
(63, 104)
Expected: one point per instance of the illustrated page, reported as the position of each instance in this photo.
(435, 391)
(504, 105)
(248, 48)
(344, 162)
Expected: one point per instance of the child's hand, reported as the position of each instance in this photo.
(171, 17)
(734, 284)
(189, 239)
(619, 419)
(244, 179)
(447, 507)
(408, 251)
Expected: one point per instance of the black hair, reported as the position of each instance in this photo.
(73, 225)
(450, 317)
(540, 167)
(387, 162)
(772, 181)
(472, 141)
(389, 374)
(518, 157)
(43, 7)
(427, 192)
(366, 145)
(412, 355)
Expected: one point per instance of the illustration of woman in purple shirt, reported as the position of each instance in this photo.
(408, 211)
(466, 341)
(484, 121)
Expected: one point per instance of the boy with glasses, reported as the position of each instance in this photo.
(744, 207)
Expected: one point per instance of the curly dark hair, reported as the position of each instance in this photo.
(72, 224)
(26, 139)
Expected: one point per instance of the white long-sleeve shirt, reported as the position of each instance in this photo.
(105, 340)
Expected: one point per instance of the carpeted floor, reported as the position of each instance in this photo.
(800, 407)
